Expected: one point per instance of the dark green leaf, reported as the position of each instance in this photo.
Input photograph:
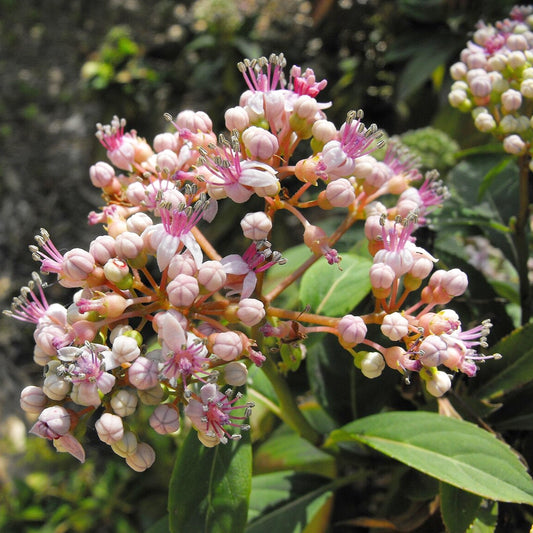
(286, 502)
(335, 292)
(458, 508)
(210, 487)
(453, 451)
(491, 175)
(487, 518)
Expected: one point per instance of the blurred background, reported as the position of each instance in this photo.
(67, 64)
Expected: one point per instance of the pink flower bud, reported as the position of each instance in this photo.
(352, 330)
(256, 226)
(439, 384)
(32, 399)
(138, 222)
(182, 264)
(167, 161)
(40, 357)
(143, 373)
(433, 351)
(455, 282)
(125, 349)
(103, 249)
(124, 402)
(236, 374)
(101, 174)
(77, 265)
(324, 131)
(212, 275)
(395, 326)
(372, 365)
(260, 143)
(340, 193)
(165, 419)
(481, 86)
(136, 193)
(421, 268)
(517, 42)
(183, 290)
(227, 345)
(109, 428)
(306, 107)
(142, 458)
(381, 276)
(194, 121)
(127, 445)
(129, 245)
(52, 423)
(511, 100)
(236, 119)
(165, 141)
(251, 311)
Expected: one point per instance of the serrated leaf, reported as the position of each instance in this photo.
(287, 502)
(451, 450)
(458, 508)
(210, 487)
(334, 292)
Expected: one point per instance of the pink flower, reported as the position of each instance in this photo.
(242, 270)
(212, 410)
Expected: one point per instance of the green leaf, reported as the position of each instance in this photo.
(514, 369)
(285, 450)
(458, 508)
(487, 518)
(334, 292)
(210, 487)
(287, 502)
(451, 450)
(491, 175)
(161, 526)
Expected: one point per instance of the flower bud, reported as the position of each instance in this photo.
(195, 121)
(142, 458)
(116, 270)
(256, 226)
(109, 428)
(340, 193)
(251, 311)
(125, 349)
(458, 71)
(52, 423)
(124, 402)
(433, 351)
(127, 445)
(395, 326)
(439, 384)
(212, 275)
(165, 419)
(324, 131)
(236, 374)
(152, 396)
(261, 144)
(143, 373)
(485, 122)
(513, 144)
(182, 264)
(32, 399)
(103, 249)
(55, 387)
(167, 161)
(77, 265)
(183, 290)
(101, 174)
(129, 245)
(455, 282)
(236, 119)
(511, 100)
(372, 365)
(165, 141)
(138, 222)
(226, 345)
(352, 330)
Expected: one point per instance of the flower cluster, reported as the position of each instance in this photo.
(159, 318)
(494, 80)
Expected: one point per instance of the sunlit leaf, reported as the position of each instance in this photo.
(458, 508)
(453, 451)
